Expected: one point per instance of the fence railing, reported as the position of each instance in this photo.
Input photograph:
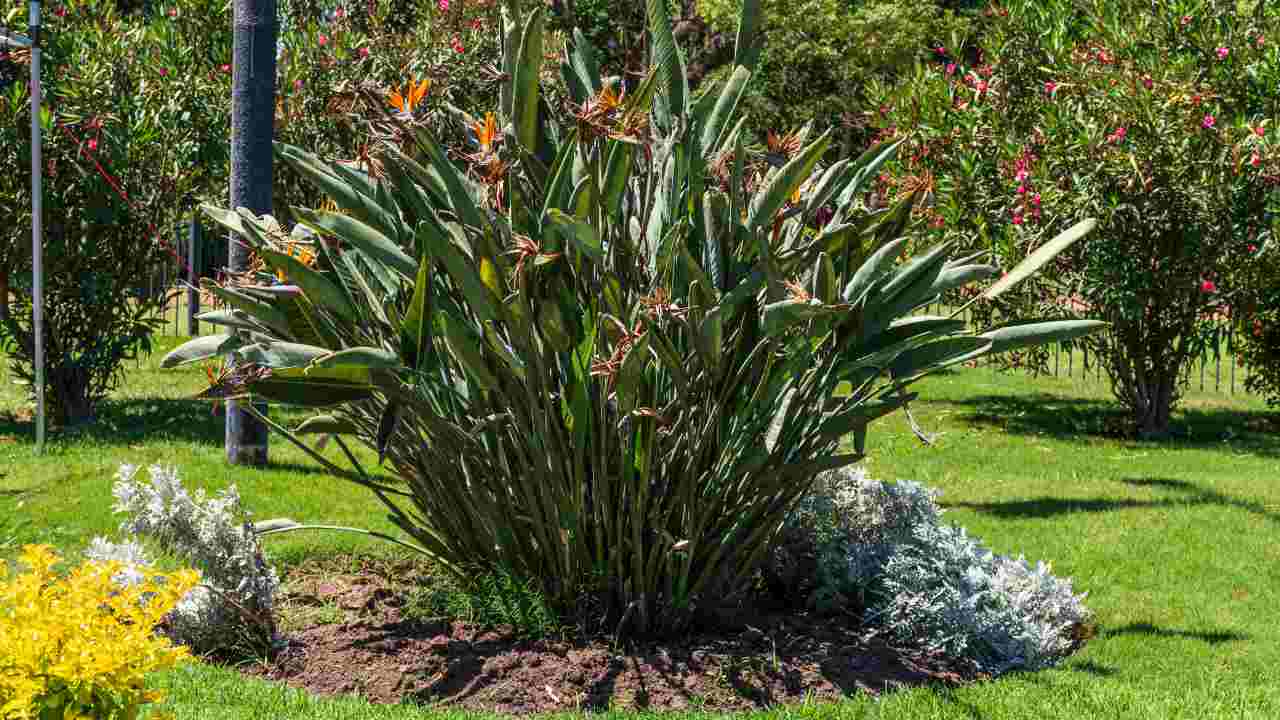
(202, 253)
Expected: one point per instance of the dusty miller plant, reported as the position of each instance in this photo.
(882, 550)
(232, 610)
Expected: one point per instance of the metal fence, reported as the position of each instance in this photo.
(202, 253)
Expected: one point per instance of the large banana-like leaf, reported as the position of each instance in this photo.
(1040, 257)
(670, 65)
(364, 237)
(317, 287)
(1028, 334)
(770, 199)
(201, 348)
(524, 110)
(747, 46)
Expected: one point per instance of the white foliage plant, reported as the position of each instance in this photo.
(233, 609)
(883, 549)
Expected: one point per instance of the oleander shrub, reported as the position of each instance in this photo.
(232, 612)
(80, 645)
(881, 551)
(1257, 320)
(1159, 120)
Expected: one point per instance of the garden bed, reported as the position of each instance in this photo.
(352, 633)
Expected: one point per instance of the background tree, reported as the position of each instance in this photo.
(1161, 124)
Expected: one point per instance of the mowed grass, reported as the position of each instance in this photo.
(1177, 543)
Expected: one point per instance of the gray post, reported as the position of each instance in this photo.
(37, 214)
(193, 277)
(253, 90)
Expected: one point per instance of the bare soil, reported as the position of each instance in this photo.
(351, 633)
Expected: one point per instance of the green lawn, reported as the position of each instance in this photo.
(1178, 544)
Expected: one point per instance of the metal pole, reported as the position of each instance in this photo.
(253, 88)
(37, 254)
(193, 277)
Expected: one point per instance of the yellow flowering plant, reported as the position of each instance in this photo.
(80, 645)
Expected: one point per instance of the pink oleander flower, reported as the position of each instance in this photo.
(1118, 135)
(982, 86)
(1021, 176)
(1255, 160)
(322, 40)
(444, 5)
(941, 50)
(1186, 20)
(1208, 122)
(60, 11)
(1260, 131)
(1050, 88)
(1208, 286)
(364, 52)
(477, 25)
(1252, 249)
(1035, 199)
(340, 13)
(1147, 82)
(226, 67)
(457, 45)
(173, 12)
(93, 144)
(297, 84)
(1223, 53)
(951, 69)
(1022, 189)
(164, 72)
(1017, 218)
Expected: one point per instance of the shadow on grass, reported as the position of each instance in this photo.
(1189, 495)
(1078, 419)
(137, 419)
(1149, 630)
(1092, 668)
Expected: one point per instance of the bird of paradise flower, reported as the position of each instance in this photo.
(408, 100)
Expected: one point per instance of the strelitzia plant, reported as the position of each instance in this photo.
(605, 355)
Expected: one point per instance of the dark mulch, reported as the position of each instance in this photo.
(376, 651)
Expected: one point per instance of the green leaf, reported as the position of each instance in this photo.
(715, 126)
(237, 319)
(959, 276)
(666, 58)
(363, 237)
(386, 426)
(464, 345)
(326, 425)
(327, 180)
(1040, 257)
(770, 199)
(201, 348)
(524, 108)
(279, 355)
(581, 234)
(314, 388)
(359, 357)
(417, 318)
(747, 45)
(938, 355)
(265, 313)
(1017, 336)
(314, 284)
(842, 423)
(871, 270)
(617, 170)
